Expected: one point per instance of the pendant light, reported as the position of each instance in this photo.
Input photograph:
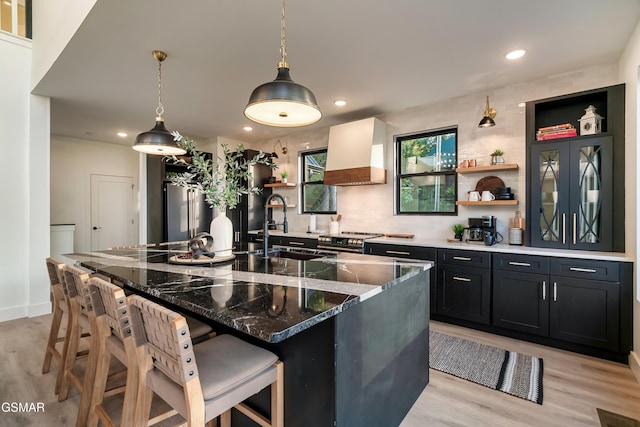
(489, 115)
(158, 140)
(283, 102)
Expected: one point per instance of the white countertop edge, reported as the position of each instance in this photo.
(505, 248)
(498, 248)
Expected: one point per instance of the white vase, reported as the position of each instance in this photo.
(222, 232)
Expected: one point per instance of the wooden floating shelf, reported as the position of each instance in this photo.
(491, 203)
(280, 206)
(281, 184)
(492, 168)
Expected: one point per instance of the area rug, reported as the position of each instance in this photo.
(492, 367)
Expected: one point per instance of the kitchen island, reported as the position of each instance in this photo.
(351, 329)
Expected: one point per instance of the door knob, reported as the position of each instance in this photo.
(97, 228)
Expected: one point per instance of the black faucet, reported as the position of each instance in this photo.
(266, 220)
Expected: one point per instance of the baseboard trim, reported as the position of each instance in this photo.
(634, 364)
(41, 309)
(13, 313)
(20, 312)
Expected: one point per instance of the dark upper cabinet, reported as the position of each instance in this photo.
(575, 185)
(571, 198)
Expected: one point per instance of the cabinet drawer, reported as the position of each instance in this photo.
(585, 269)
(401, 251)
(297, 242)
(465, 258)
(522, 263)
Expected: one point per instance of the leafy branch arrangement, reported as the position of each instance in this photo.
(221, 183)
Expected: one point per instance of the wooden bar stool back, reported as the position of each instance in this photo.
(203, 381)
(60, 307)
(78, 326)
(114, 337)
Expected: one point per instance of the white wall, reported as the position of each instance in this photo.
(24, 186)
(54, 23)
(73, 161)
(370, 208)
(630, 74)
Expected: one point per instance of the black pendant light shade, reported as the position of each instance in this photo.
(158, 141)
(486, 122)
(283, 103)
(489, 114)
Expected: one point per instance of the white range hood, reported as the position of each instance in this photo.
(356, 153)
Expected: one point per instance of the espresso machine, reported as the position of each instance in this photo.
(483, 230)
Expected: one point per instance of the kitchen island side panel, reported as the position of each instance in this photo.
(382, 355)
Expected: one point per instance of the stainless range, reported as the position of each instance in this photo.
(346, 241)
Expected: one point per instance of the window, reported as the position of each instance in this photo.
(426, 180)
(316, 197)
(21, 26)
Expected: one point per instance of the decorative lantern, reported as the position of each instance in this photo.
(591, 122)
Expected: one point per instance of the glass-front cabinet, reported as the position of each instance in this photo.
(572, 194)
(575, 172)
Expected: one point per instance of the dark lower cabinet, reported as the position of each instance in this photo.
(585, 312)
(464, 293)
(464, 285)
(575, 301)
(521, 301)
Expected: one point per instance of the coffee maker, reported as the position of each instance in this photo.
(475, 230)
(483, 230)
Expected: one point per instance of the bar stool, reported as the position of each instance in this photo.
(60, 306)
(114, 338)
(203, 381)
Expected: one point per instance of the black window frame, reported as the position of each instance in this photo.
(301, 161)
(451, 171)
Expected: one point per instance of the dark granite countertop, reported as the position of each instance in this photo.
(271, 299)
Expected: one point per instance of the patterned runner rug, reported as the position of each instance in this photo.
(492, 367)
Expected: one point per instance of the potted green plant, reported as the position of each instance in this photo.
(496, 157)
(221, 182)
(458, 229)
(284, 175)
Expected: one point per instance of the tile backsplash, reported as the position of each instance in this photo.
(371, 208)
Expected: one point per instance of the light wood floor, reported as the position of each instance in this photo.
(574, 386)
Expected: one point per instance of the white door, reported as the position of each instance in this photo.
(112, 221)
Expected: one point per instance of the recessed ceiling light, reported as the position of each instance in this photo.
(122, 134)
(340, 102)
(248, 128)
(515, 54)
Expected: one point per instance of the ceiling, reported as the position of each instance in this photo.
(380, 56)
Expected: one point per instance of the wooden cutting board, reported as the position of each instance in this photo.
(489, 183)
(400, 235)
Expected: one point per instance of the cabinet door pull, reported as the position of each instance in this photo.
(574, 227)
(583, 270)
(296, 243)
(520, 264)
(461, 279)
(398, 252)
(259, 240)
(544, 290)
(564, 223)
(555, 292)
(462, 258)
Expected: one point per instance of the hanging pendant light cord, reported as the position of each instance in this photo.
(283, 50)
(160, 109)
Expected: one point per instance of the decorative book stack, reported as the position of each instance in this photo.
(557, 131)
